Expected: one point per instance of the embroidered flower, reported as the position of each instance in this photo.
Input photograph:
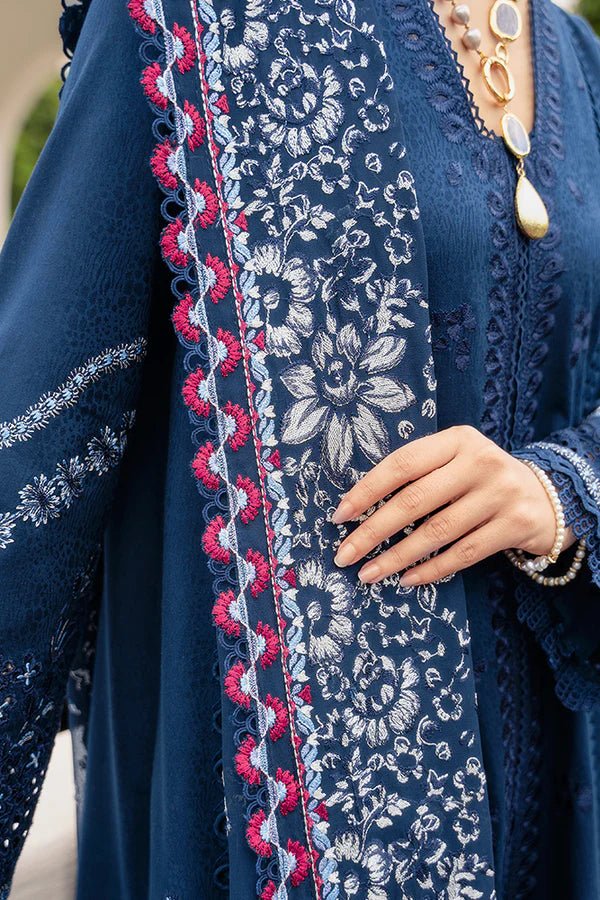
(174, 243)
(268, 644)
(207, 205)
(194, 125)
(237, 425)
(248, 497)
(40, 501)
(183, 47)
(195, 393)
(226, 613)
(257, 572)
(330, 626)
(471, 781)
(155, 86)
(368, 882)
(343, 393)
(277, 717)
(215, 278)
(237, 685)
(269, 892)
(216, 542)
(333, 683)
(287, 790)
(247, 762)
(257, 834)
(386, 699)
(144, 13)
(7, 525)
(406, 761)
(330, 170)
(185, 319)
(205, 466)
(104, 451)
(298, 862)
(291, 284)
(69, 479)
(453, 330)
(402, 196)
(448, 705)
(399, 247)
(229, 351)
(164, 164)
(254, 37)
(302, 106)
(375, 116)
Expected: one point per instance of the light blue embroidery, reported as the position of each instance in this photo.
(37, 416)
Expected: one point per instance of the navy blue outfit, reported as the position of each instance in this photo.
(388, 755)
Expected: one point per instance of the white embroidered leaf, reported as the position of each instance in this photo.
(383, 353)
(300, 381)
(387, 393)
(303, 421)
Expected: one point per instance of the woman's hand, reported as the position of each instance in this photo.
(486, 501)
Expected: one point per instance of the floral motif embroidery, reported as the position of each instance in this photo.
(455, 333)
(304, 283)
(46, 497)
(37, 416)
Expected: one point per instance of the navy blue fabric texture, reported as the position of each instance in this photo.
(106, 595)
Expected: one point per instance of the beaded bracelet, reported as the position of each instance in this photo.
(534, 566)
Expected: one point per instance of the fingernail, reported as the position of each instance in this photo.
(345, 555)
(370, 573)
(408, 579)
(342, 513)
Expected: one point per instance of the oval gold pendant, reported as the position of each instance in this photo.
(502, 93)
(515, 135)
(531, 213)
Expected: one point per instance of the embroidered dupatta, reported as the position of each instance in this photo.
(300, 285)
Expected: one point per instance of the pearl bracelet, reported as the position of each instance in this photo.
(534, 566)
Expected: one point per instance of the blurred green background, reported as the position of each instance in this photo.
(38, 125)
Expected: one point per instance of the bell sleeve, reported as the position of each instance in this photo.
(566, 620)
(76, 276)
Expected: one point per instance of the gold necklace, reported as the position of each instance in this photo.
(506, 24)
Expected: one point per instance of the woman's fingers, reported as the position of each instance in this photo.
(406, 464)
(470, 549)
(446, 526)
(410, 504)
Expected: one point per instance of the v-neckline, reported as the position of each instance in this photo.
(477, 122)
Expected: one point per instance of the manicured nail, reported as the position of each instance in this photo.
(345, 555)
(370, 573)
(342, 513)
(408, 579)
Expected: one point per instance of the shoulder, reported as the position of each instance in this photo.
(581, 33)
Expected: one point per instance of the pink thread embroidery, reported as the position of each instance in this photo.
(231, 351)
(280, 717)
(203, 467)
(260, 566)
(271, 644)
(163, 163)
(194, 125)
(183, 322)
(185, 51)
(207, 206)
(195, 393)
(224, 613)
(243, 761)
(269, 891)
(257, 834)
(239, 422)
(248, 498)
(299, 861)
(215, 540)
(220, 277)
(287, 783)
(154, 85)
(174, 244)
(236, 685)
(137, 10)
